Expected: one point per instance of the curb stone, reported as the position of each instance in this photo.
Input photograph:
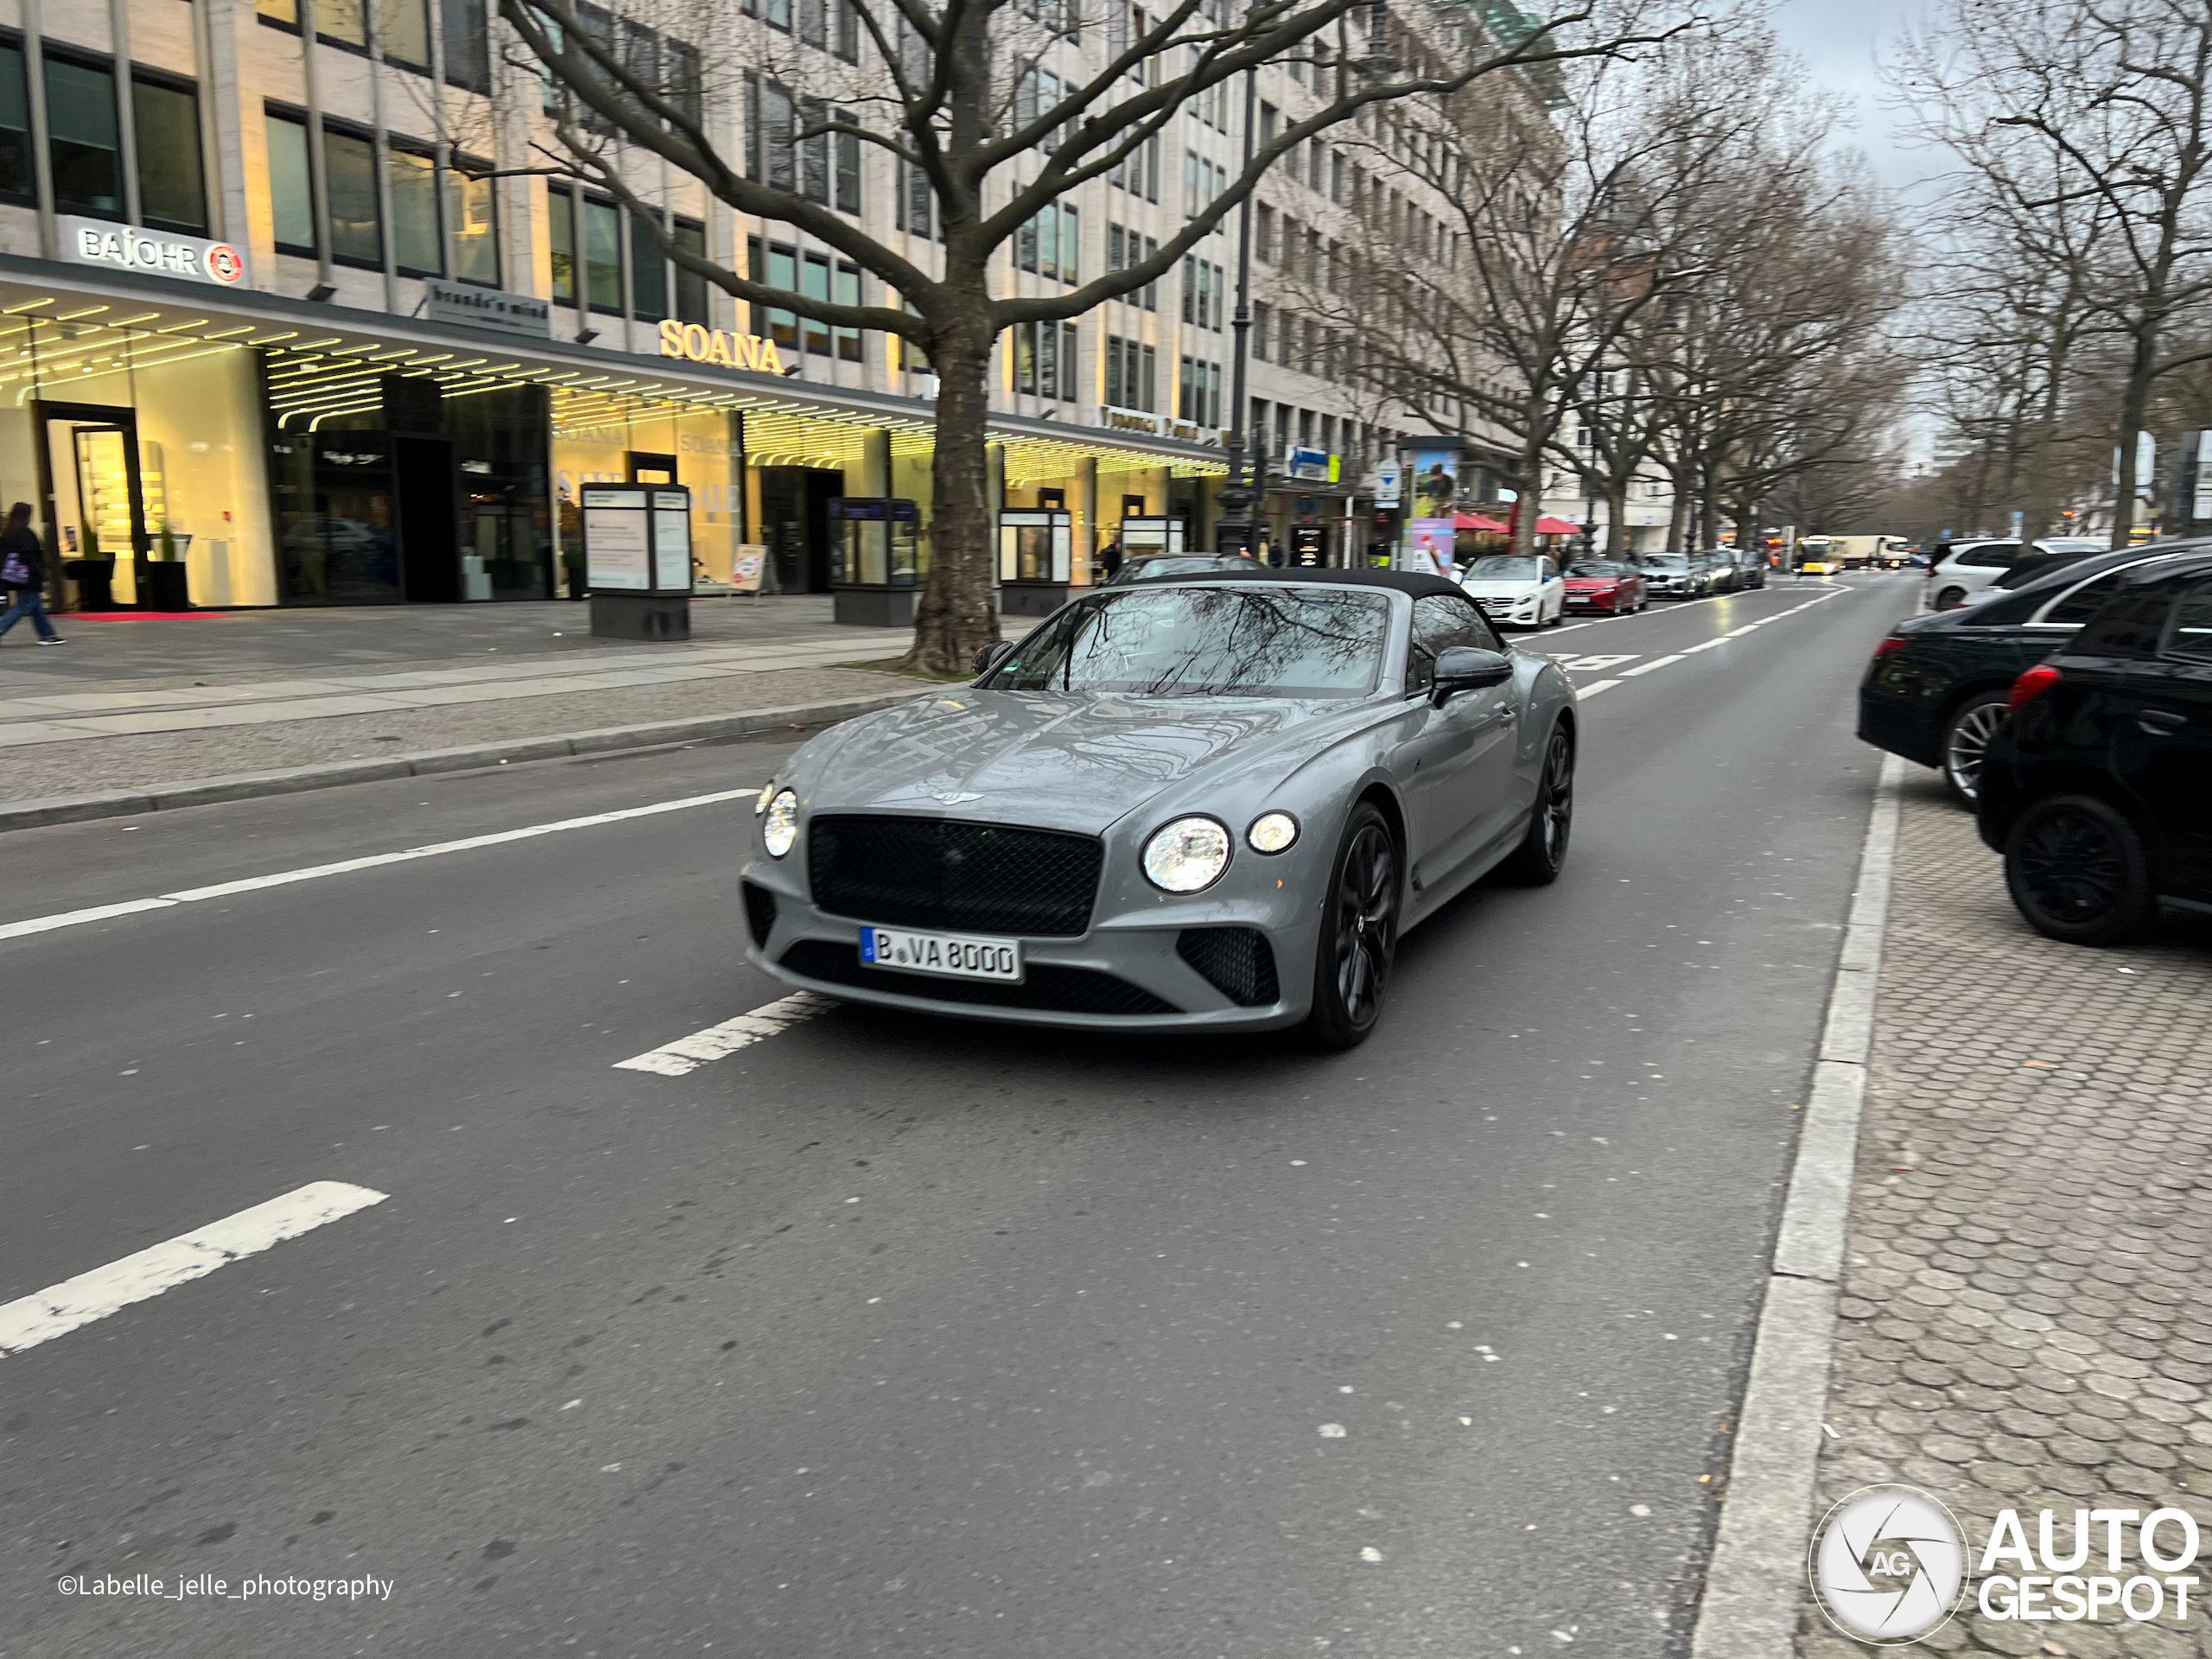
(80, 809)
(1754, 1583)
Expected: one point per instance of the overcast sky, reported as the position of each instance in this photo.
(1839, 40)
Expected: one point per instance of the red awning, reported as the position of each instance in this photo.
(1476, 521)
(1557, 527)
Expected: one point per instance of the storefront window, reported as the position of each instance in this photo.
(472, 208)
(506, 530)
(349, 165)
(172, 193)
(81, 122)
(337, 537)
(14, 125)
(415, 242)
(291, 185)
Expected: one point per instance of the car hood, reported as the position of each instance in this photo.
(1059, 760)
(1595, 582)
(1483, 586)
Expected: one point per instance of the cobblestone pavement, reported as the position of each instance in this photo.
(2026, 1311)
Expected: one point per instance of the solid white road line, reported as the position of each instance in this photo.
(316, 871)
(1583, 691)
(59, 1309)
(689, 1053)
(1645, 668)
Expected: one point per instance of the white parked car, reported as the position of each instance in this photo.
(1967, 569)
(1519, 592)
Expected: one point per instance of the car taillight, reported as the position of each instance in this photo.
(1889, 647)
(2030, 686)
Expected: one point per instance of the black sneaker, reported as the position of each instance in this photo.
(55, 640)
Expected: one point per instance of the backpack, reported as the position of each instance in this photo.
(14, 573)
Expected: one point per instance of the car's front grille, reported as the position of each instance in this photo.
(1235, 960)
(982, 878)
(1049, 986)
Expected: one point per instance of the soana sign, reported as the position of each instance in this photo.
(124, 247)
(699, 343)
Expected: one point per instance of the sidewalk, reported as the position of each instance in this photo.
(132, 705)
(2026, 1319)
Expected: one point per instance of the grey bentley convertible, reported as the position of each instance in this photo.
(1202, 805)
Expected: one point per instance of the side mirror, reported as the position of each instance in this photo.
(991, 656)
(1470, 668)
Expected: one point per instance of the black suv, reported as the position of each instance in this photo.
(2098, 789)
(1935, 689)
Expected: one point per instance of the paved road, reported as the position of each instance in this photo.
(891, 1336)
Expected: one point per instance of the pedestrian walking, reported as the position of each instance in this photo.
(1110, 559)
(22, 574)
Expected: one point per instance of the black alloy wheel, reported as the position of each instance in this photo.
(1359, 933)
(1541, 854)
(2077, 871)
(1966, 739)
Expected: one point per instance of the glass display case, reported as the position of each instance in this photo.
(1036, 558)
(877, 559)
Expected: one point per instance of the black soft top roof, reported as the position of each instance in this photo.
(1413, 583)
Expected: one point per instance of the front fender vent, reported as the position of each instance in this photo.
(1236, 961)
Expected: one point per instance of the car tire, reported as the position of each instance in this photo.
(1965, 736)
(1541, 854)
(2075, 868)
(1359, 936)
(1950, 599)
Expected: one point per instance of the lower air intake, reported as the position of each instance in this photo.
(1236, 961)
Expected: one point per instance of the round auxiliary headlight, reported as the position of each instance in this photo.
(767, 794)
(1272, 832)
(1186, 855)
(780, 824)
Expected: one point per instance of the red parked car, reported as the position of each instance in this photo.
(1602, 584)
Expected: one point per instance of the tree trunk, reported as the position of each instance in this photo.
(959, 615)
(2134, 404)
(1530, 502)
(1677, 514)
(1616, 520)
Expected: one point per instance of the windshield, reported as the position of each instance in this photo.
(1664, 562)
(1241, 641)
(1596, 567)
(1501, 566)
(1153, 569)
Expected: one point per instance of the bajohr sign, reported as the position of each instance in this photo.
(125, 247)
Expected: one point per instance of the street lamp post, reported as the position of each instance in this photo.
(1237, 533)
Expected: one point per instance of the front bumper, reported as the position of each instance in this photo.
(1120, 961)
(1512, 612)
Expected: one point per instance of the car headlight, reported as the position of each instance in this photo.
(1186, 855)
(1272, 832)
(780, 824)
(767, 794)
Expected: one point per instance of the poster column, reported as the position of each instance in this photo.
(1430, 527)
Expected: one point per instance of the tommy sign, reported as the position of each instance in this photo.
(124, 247)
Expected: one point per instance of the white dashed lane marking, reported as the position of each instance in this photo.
(689, 1053)
(45, 1315)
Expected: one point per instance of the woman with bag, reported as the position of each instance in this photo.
(22, 575)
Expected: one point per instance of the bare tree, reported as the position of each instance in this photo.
(960, 99)
(2086, 131)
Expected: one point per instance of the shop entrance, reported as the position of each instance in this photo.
(100, 494)
(429, 520)
(795, 523)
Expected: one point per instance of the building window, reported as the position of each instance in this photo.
(472, 212)
(1262, 316)
(1263, 234)
(648, 271)
(469, 44)
(817, 278)
(417, 245)
(291, 194)
(1045, 359)
(690, 286)
(172, 190)
(14, 125)
(602, 241)
(342, 22)
(1047, 243)
(83, 133)
(917, 202)
(1130, 372)
(776, 266)
(349, 165)
(768, 153)
(561, 239)
(404, 32)
(1199, 393)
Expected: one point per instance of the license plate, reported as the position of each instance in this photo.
(955, 956)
